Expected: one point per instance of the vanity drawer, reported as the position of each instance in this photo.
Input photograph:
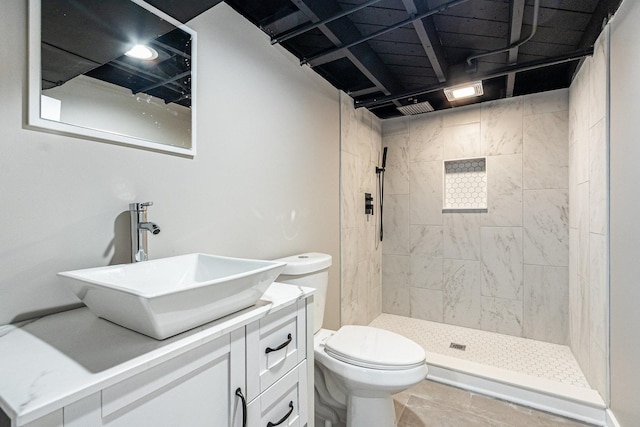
(285, 402)
(275, 345)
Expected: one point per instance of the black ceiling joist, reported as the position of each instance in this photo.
(525, 66)
(293, 33)
(318, 59)
(425, 29)
(363, 56)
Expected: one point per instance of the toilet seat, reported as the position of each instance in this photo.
(374, 348)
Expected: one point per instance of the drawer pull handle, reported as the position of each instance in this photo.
(280, 347)
(244, 406)
(283, 419)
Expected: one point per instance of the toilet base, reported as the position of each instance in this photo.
(370, 411)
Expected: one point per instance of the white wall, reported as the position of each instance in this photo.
(265, 182)
(624, 211)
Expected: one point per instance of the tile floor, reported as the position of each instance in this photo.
(430, 404)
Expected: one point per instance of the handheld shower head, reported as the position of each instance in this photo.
(384, 157)
(384, 161)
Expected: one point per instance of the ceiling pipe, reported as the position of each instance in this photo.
(525, 66)
(309, 27)
(407, 21)
(534, 28)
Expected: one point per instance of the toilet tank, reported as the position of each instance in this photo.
(310, 270)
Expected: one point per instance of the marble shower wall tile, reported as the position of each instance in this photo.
(396, 224)
(588, 292)
(546, 304)
(546, 232)
(502, 315)
(395, 285)
(546, 150)
(426, 272)
(468, 268)
(361, 139)
(574, 298)
(349, 190)
(396, 301)
(504, 189)
(461, 115)
(426, 240)
(501, 126)
(579, 104)
(397, 167)
(598, 285)
(461, 292)
(398, 125)
(351, 247)
(462, 236)
(598, 369)
(502, 267)
(598, 178)
(546, 102)
(355, 128)
(425, 181)
(583, 357)
(375, 303)
(574, 302)
(598, 87)
(426, 138)
(395, 271)
(582, 206)
(426, 304)
(462, 141)
(573, 185)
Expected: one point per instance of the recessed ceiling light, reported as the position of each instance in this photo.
(143, 52)
(464, 91)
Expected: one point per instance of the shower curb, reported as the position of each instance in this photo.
(568, 401)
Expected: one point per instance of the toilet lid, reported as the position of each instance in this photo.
(374, 348)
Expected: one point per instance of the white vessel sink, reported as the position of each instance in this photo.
(163, 297)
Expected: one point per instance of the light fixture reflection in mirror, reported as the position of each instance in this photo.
(83, 80)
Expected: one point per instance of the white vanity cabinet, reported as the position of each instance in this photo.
(195, 385)
(194, 389)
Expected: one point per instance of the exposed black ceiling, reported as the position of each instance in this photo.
(389, 53)
(384, 53)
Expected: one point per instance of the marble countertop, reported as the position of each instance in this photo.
(52, 361)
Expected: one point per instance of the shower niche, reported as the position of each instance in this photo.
(465, 185)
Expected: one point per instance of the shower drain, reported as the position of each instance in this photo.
(458, 346)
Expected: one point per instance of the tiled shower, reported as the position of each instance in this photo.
(533, 263)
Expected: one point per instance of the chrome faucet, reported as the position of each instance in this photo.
(139, 227)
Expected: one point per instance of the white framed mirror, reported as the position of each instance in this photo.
(85, 81)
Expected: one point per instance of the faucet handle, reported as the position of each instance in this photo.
(139, 206)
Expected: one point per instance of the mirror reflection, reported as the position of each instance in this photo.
(116, 67)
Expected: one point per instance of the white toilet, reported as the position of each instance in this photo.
(357, 368)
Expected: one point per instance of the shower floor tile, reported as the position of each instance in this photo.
(535, 358)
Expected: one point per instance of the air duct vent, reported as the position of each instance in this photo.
(413, 109)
